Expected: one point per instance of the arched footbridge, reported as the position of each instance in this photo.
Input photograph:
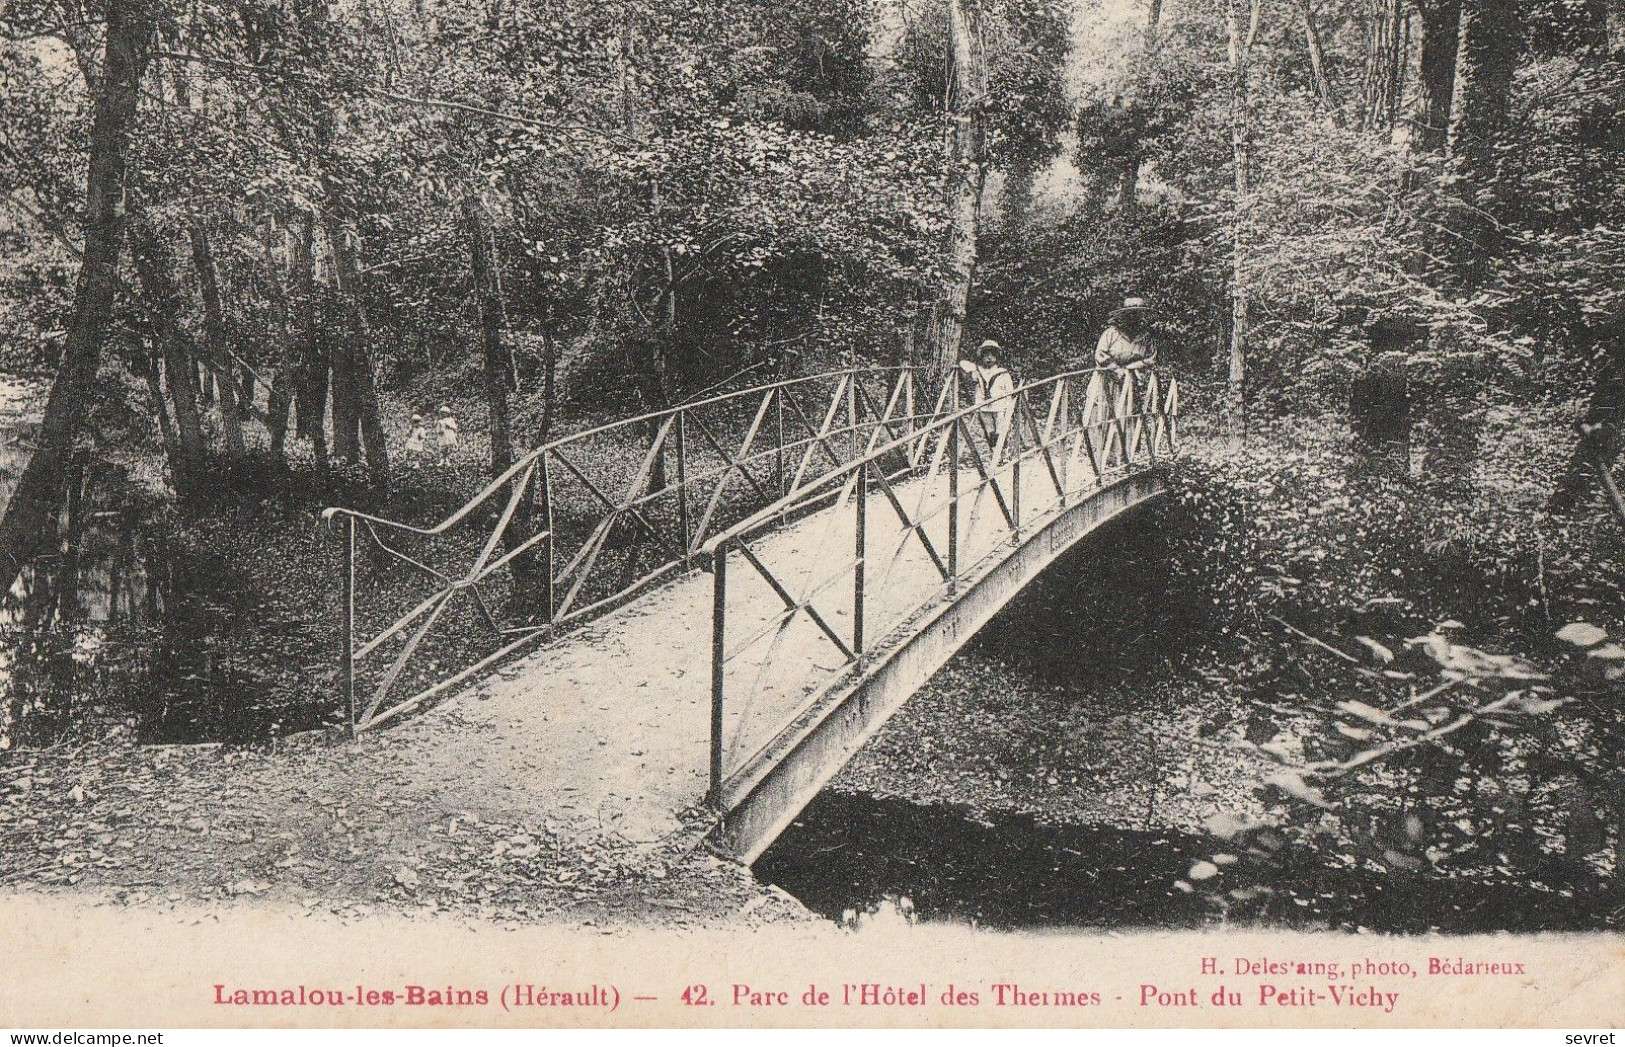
(716, 605)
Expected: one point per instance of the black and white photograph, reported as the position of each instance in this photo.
(641, 513)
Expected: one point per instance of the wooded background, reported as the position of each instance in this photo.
(258, 228)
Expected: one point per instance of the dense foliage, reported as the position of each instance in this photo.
(1430, 688)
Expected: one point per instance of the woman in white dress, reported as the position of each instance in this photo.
(447, 435)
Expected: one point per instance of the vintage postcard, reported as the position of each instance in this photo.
(904, 513)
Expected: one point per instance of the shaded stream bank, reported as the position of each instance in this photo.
(140, 623)
(851, 854)
(162, 625)
(1061, 772)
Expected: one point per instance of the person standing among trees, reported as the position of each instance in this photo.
(447, 435)
(417, 441)
(1126, 348)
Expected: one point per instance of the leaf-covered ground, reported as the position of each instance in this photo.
(986, 735)
(321, 827)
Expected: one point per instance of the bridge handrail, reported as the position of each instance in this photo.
(634, 526)
(1135, 414)
(532, 456)
(797, 498)
(535, 529)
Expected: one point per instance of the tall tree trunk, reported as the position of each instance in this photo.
(550, 377)
(1318, 77)
(1486, 60)
(311, 398)
(1490, 43)
(654, 352)
(966, 173)
(650, 359)
(67, 572)
(160, 406)
(1128, 175)
(27, 527)
(498, 378)
(1128, 181)
(1441, 35)
(346, 445)
(279, 399)
(1241, 43)
(215, 338)
(500, 383)
(1384, 71)
(1017, 197)
(1597, 39)
(361, 369)
(162, 301)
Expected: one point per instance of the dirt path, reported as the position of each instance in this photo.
(342, 829)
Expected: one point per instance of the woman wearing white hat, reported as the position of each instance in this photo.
(1127, 343)
(1125, 350)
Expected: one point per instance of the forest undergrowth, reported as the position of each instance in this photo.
(1380, 704)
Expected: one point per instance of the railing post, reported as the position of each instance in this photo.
(953, 503)
(1063, 422)
(1137, 426)
(1125, 412)
(719, 622)
(1015, 462)
(908, 409)
(349, 621)
(778, 448)
(682, 481)
(860, 542)
(1170, 407)
(1148, 420)
(852, 414)
(550, 545)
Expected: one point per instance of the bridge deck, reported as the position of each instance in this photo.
(608, 729)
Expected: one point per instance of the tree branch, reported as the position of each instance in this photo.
(404, 99)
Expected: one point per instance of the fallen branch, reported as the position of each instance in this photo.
(1605, 476)
(1425, 695)
(1323, 645)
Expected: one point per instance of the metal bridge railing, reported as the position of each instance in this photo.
(586, 522)
(909, 519)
